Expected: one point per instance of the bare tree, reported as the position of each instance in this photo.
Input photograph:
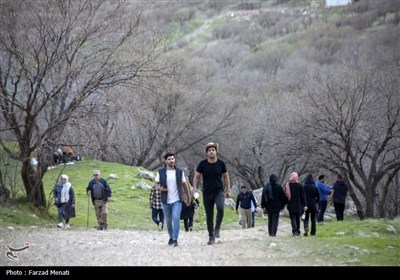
(353, 128)
(57, 57)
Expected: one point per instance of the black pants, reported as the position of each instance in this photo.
(339, 209)
(273, 221)
(209, 200)
(188, 223)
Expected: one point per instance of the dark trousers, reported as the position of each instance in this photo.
(339, 210)
(322, 207)
(273, 221)
(295, 221)
(313, 223)
(188, 223)
(209, 201)
(157, 215)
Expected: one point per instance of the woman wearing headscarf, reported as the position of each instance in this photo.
(64, 199)
(312, 197)
(273, 201)
(296, 201)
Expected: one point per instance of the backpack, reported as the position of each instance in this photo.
(98, 190)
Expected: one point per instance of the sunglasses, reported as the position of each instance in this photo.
(95, 174)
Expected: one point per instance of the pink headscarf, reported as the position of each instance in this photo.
(294, 178)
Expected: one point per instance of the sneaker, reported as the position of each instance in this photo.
(306, 232)
(175, 243)
(99, 228)
(160, 226)
(60, 225)
(216, 233)
(211, 241)
(190, 229)
(170, 242)
(66, 226)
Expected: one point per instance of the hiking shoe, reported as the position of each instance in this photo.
(211, 241)
(175, 243)
(160, 226)
(60, 225)
(170, 242)
(216, 233)
(66, 226)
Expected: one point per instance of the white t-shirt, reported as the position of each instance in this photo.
(173, 194)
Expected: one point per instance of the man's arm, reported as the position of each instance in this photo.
(186, 190)
(196, 179)
(227, 183)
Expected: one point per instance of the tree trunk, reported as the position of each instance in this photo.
(33, 185)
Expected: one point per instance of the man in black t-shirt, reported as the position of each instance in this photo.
(213, 171)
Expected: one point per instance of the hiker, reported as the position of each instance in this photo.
(338, 196)
(312, 198)
(213, 170)
(273, 201)
(64, 200)
(171, 181)
(157, 213)
(100, 192)
(297, 203)
(324, 192)
(244, 200)
(187, 213)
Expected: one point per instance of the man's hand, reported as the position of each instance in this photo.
(228, 193)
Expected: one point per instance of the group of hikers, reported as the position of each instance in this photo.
(302, 201)
(171, 198)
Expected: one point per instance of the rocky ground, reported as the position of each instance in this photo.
(114, 247)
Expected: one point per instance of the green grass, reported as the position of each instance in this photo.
(129, 208)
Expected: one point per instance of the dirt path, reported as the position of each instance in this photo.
(82, 247)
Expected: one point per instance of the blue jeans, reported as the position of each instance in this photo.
(172, 214)
(157, 215)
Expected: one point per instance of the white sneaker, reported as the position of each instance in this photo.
(160, 226)
(66, 226)
(60, 225)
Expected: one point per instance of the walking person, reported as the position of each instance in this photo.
(157, 213)
(273, 200)
(100, 192)
(213, 171)
(297, 203)
(171, 181)
(324, 192)
(312, 198)
(338, 196)
(64, 199)
(244, 201)
(187, 213)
